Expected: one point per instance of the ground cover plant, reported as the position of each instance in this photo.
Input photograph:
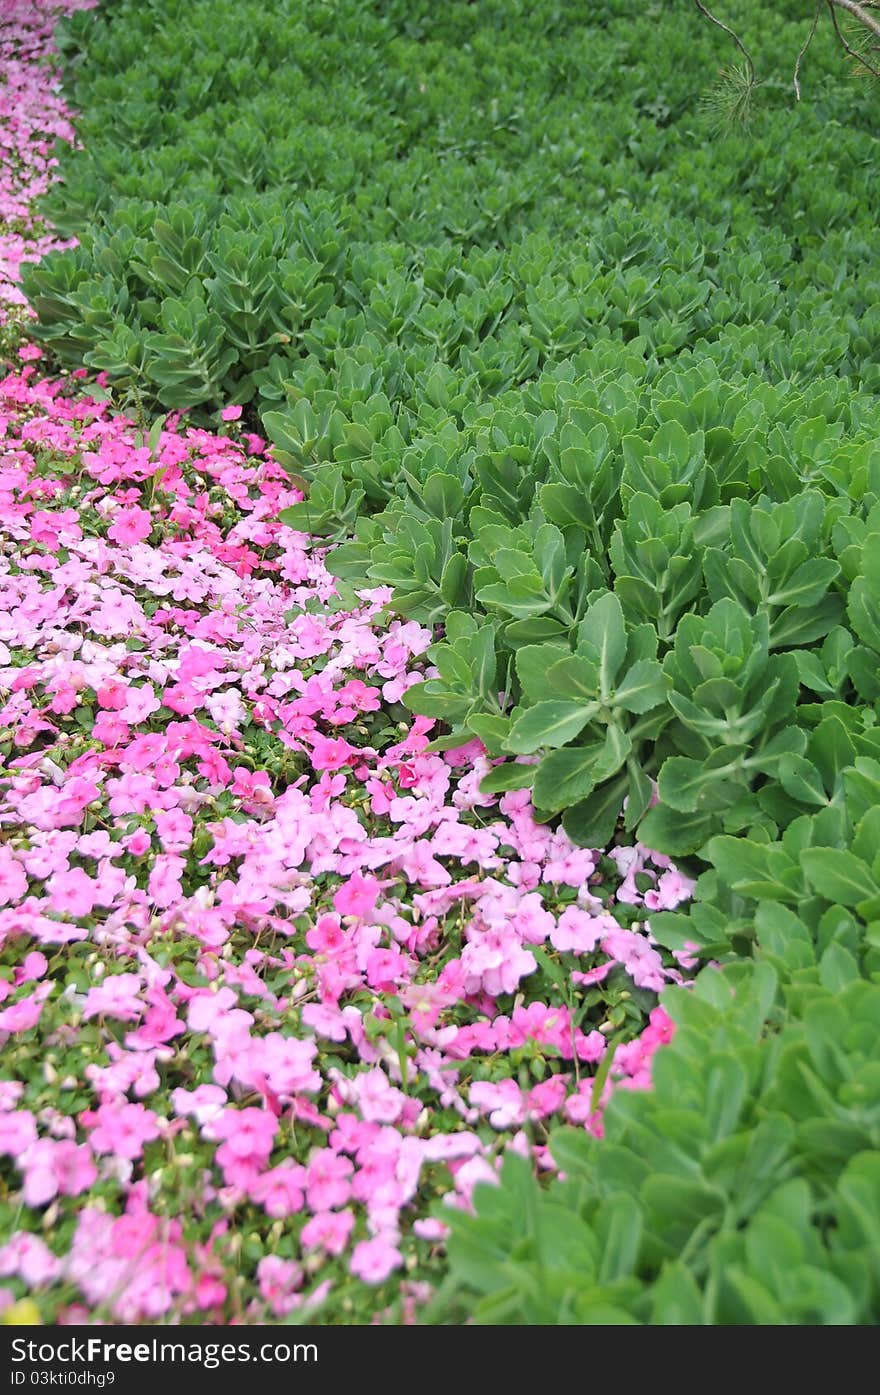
(359, 784)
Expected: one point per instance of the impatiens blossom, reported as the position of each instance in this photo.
(374, 1260)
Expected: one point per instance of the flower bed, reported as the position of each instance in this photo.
(275, 978)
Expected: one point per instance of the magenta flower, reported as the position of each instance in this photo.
(130, 525)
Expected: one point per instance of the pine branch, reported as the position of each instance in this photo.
(842, 39)
(859, 12)
(733, 35)
(803, 52)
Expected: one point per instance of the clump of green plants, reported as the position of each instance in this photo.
(393, 205)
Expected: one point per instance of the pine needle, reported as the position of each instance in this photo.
(728, 105)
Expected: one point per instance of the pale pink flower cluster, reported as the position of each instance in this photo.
(33, 117)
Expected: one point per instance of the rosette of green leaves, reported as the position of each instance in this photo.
(594, 715)
(657, 562)
(811, 893)
(771, 563)
(590, 715)
(734, 702)
(189, 356)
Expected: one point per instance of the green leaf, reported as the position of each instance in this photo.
(642, 688)
(746, 868)
(638, 796)
(615, 751)
(681, 1200)
(801, 780)
(681, 783)
(511, 775)
(548, 724)
(619, 1230)
(755, 1304)
(807, 584)
(839, 876)
(837, 969)
(573, 677)
(670, 831)
(566, 776)
(676, 1299)
(604, 630)
(535, 665)
(443, 496)
(831, 748)
(591, 822)
(492, 730)
(552, 968)
(453, 581)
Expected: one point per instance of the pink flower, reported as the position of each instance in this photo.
(327, 1180)
(660, 1029)
(118, 996)
(18, 1131)
(328, 1230)
(72, 893)
(164, 883)
(641, 961)
(278, 1280)
(230, 413)
(121, 1129)
(576, 932)
(13, 879)
(327, 936)
(34, 967)
(21, 1016)
(137, 843)
(672, 888)
(203, 1103)
(503, 1102)
(245, 1134)
(379, 1100)
(331, 753)
(29, 1258)
(280, 1190)
(130, 525)
(54, 1167)
(325, 1021)
(430, 1229)
(357, 896)
(373, 1261)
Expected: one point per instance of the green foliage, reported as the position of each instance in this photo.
(431, 205)
(744, 1188)
(602, 407)
(662, 602)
